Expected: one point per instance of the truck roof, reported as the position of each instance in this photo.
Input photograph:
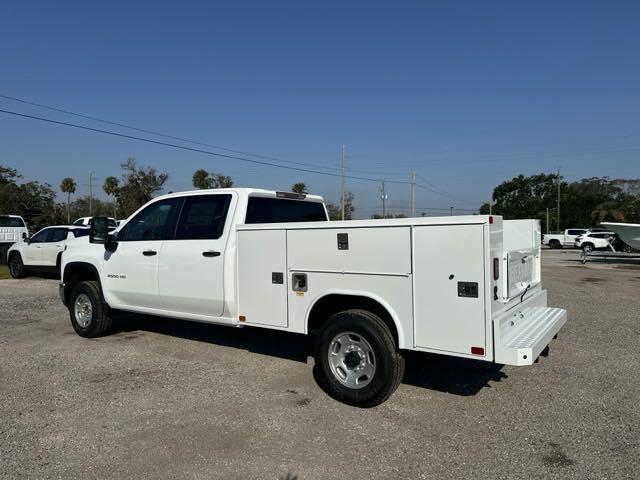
(393, 222)
(248, 192)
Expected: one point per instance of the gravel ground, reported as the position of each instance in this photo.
(169, 399)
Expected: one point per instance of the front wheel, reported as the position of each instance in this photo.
(357, 361)
(587, 247)
(16, 267)
(90, 315)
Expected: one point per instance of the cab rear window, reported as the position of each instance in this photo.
(278, 210)
(11, 222)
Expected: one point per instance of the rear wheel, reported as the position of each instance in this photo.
(554, 244)
(16, 267)
(357, 361)
(90, 315)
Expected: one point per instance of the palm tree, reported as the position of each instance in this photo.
(68, 186)
(111, 187)
(201, 179)
(299, 187)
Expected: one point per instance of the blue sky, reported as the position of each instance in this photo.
(465, 93)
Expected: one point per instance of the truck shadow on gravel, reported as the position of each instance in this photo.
(458, 376)
(287, 345)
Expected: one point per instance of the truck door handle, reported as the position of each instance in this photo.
(149, 253)
(210, 253)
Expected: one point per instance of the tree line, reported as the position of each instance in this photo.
(583, 203)
(36, 201)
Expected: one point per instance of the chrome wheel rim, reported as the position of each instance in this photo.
(351, 360)
(83, 310)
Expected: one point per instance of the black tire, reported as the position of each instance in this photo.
(389, 364)
(588, 247)
(99, 320)
(58, 262)
(16, 267)
(554, 244)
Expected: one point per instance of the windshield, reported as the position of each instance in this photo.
(15, 222)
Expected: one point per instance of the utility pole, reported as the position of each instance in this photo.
(547, 219)
(490, 208)
(342, 182)
(558, 224)
(90, 194)
(383, 197)
(450, 211)
(413, 194)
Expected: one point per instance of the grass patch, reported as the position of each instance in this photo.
(4, 272)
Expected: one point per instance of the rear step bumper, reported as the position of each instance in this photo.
(523, 332)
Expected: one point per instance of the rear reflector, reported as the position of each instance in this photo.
(490, 219)
(496, 268)
(477, 351)
(242, 318)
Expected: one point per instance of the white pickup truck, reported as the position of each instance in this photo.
(466, 286)
(563, 239)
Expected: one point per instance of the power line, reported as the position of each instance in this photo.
(191, 149)
(159, 134)
(196, 150)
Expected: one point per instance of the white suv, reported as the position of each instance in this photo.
(594, 240)
(42, 251)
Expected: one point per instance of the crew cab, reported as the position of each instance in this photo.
(368, 290)
(12, 230)
(563, 239)
(42, 251)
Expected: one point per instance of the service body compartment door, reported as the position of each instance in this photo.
(262, 277)
(449, 276)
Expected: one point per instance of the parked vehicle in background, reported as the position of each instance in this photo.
(12, 229)
(42, 251)
(595, 241)
(563, 239)
(86, 221)
(465, 286)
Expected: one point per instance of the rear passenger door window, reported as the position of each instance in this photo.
(58, 235)
(203, 217)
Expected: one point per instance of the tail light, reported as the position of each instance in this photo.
(496, 268)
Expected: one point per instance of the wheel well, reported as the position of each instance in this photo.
(334, 303)
(12, 254)
(75, 273)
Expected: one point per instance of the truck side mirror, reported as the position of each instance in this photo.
(99, 230)
(25, 237)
